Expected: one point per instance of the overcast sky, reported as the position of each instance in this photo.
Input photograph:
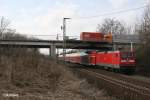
(44, 17)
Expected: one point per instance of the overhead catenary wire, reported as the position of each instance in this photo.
(55, 35)
(109, 14)
(100, 15)
(41, 35)
(113, 13)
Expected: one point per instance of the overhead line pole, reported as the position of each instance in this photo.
(64, 37)
(57, 50)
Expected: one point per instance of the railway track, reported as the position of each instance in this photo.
(135, 88)
(123, 86)
(123, 77)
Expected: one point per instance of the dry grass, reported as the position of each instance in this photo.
(36, 77)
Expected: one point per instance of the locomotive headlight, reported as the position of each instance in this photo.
(123, 61)
(131, 61)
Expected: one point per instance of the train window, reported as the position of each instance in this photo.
(88, 52)
(127, 55)
(130, 54)
(124, 55)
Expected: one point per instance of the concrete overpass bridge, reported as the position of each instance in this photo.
(53, 44)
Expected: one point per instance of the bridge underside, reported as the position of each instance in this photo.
(73, 44)
(60, 47)
(52, 45)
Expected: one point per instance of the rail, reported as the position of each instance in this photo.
(137, 91)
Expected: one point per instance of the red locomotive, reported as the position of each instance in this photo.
(113, 60)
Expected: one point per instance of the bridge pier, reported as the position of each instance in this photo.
(52, 51)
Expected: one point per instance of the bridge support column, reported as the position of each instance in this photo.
(114, 47)
(52, 51)
(131, 48)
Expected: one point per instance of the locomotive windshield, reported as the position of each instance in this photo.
(127, 55)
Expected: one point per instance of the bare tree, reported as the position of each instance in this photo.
(112, 26)
(4, 24)
(144, 33)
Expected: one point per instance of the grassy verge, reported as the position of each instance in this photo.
(31, 76)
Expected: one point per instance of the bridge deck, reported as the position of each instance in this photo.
(70, 44)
